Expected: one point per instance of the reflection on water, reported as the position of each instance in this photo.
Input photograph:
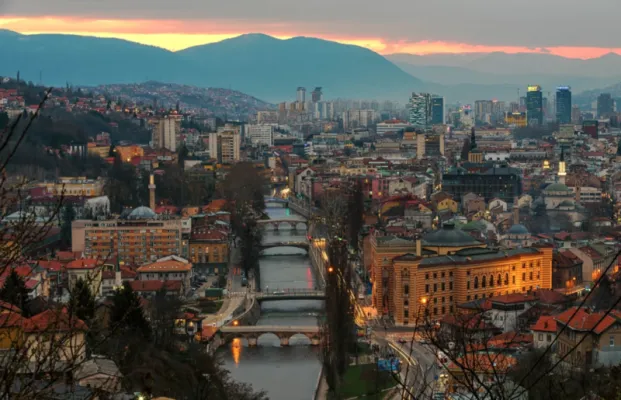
(286, 373)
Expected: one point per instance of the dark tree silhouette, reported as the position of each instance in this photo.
(15, 292)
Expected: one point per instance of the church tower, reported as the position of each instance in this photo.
(561, 167)
(474, 155)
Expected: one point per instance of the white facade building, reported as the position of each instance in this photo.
(261, 134)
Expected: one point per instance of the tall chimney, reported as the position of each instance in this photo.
(516, 215)
(419, 246)
(152, 192)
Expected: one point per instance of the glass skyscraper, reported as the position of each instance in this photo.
(437, 110)
(534, 106)
(563, 104)
(419, 111)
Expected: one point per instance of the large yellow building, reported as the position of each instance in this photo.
(75, 186)
(126, 153)
(209, 250)
(138, 238)
(446, 268)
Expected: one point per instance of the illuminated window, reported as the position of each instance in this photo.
(476, 282)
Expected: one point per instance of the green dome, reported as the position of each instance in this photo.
(557, 187)
(448, 236)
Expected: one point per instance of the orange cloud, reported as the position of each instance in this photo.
(177, 35)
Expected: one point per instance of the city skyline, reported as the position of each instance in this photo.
(193, 23)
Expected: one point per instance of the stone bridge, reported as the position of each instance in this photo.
(294, 223)
(273, 200)
(284, 333)
(299, 245)
(290, 294)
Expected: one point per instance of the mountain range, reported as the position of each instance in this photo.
(271, 69)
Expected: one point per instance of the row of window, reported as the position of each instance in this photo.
(435, 275)
(435, 287)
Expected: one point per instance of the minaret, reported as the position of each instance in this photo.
(561, 167)
(152, 192)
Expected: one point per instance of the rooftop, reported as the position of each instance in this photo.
(448, 236)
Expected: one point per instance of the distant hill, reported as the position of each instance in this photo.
(265, 67)
(517, 70)
(586, 98)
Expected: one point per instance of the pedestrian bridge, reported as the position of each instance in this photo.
(252, 333)
(290, 294)
(299, 245)
(274, 200)
(292, 223)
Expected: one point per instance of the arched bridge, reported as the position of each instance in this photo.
(290, 294)
(294, 223)
(284, 333)
(299, 245)
(274, 200)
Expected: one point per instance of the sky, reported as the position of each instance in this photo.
(569, 28)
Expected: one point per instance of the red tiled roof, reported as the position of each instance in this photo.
(154, 285)
(510, 340)
(585, 320)
(82, 263)
(513, 298)
(545, 323)
(52, 266)
(53, 320)
(483, 363)
(166, 266)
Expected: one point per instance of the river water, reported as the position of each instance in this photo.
(285, 373)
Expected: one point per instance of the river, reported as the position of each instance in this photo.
(285, 373)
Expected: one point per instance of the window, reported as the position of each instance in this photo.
(435, 311)
(499, 281)
(513, 268)
(450, 309)
(467, 285)
(451, 274)
(483, 281)
(435, 287)
(450, 285)
(531, 275)
(506, 279)
(427, 288)
(443, 310)
(476, 296)
(443, 286)
(442, 274)
(612, 341)
(476, 282)
(523, 265)
(426, 276)
(538, 275)
(406, 303)
(513, 279)
(435, 300)
(549, 337)
(523, 276)
(406, 290)
(491, 281)
(435, 275)
(468, 297)
(540, 336)
(406, 314)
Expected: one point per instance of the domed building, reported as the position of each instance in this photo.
(449, 240)
(555, 194)
(517, 236)
(142, 213)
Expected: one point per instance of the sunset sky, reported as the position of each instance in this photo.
(394, 26)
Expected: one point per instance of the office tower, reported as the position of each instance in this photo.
(563, 104)
(316, 95)
(165, 131)
(224, 146)
(483, 110)
(576, 115)
(419, 111)
(437, 110)
(534, 106)
(498, 111)
(261, 134)
(605, 105)
(358, 119)
(301, 95)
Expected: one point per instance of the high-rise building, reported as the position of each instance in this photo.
(261, 134)
(605, 105)
(437, 110)
(316, 95)
(534, 106)
(138, 238)
(419, 111)
(576, 115)
(165, 131)
(498, 111)
(563, 104)
(483, 111)
(358, 119)
(301, 95)
(224, 146)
